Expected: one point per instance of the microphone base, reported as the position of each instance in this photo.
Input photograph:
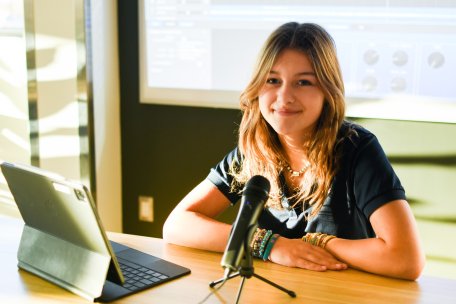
(247, 273)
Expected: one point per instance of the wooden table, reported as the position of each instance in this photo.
(349, 286)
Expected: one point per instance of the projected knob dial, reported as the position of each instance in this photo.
(398, 84)
(371, 57)
(400, 58)
(436, 60)
(369, 84)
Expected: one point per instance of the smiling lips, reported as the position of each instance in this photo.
(286, 112)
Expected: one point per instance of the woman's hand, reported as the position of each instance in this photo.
(296, 253)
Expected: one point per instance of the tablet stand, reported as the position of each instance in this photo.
(246, 271)
(77, 269)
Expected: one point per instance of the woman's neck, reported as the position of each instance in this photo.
(296, 151)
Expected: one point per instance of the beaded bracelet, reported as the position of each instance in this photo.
(257, 240)
(271, 243)
(264, 242)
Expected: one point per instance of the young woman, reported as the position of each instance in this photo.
(335, 201)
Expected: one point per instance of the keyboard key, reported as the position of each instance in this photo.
(139, 284)
(146, 282)
(137, 276)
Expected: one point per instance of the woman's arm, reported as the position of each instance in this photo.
(395, 252)
(297, 253)
(192, 222)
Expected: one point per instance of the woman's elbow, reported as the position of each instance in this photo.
(412, 267)
(168, 230)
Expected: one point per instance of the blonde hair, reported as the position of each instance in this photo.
(258, 142)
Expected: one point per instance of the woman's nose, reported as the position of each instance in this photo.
(285, 94)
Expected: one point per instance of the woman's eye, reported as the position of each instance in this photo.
(304, 82)
(272, 81)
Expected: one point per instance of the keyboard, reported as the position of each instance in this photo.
(139, 277)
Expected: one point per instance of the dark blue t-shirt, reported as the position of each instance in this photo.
(364, 181)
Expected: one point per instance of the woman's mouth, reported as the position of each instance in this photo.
(286, 112)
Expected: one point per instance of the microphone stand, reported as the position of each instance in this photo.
(246, 271)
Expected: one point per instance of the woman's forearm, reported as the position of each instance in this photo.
(195, 230)
(192, 223)
(377, 256)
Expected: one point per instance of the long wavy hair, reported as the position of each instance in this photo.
(259, 144)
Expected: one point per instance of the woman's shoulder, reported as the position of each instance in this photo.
(231, 160)
(353, 134)
(234, 156)
(355, 140)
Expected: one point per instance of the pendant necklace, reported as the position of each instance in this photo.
(297, 173)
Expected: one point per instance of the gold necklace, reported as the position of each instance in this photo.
(297, 173)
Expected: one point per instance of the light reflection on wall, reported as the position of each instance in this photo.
(14, 132)
(49, 84)
(56, 59)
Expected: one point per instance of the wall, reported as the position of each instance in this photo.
(106, 113)
(166, 150)
(423, 155)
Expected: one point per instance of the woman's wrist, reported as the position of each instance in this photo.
(318, 239)
(262, 243)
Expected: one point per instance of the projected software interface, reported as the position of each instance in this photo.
(386, 48)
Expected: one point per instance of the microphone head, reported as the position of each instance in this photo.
(258, 185)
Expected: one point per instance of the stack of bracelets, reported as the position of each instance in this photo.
(262, 242)
(317, 239)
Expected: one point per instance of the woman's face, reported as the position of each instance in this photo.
(291, 100)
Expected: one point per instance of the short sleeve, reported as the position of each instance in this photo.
(219, 175)
(375, 182)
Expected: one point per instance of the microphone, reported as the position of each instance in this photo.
(254, 197)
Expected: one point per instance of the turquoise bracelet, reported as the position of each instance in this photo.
(257, 241)
(271, 243)
(264, 243)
